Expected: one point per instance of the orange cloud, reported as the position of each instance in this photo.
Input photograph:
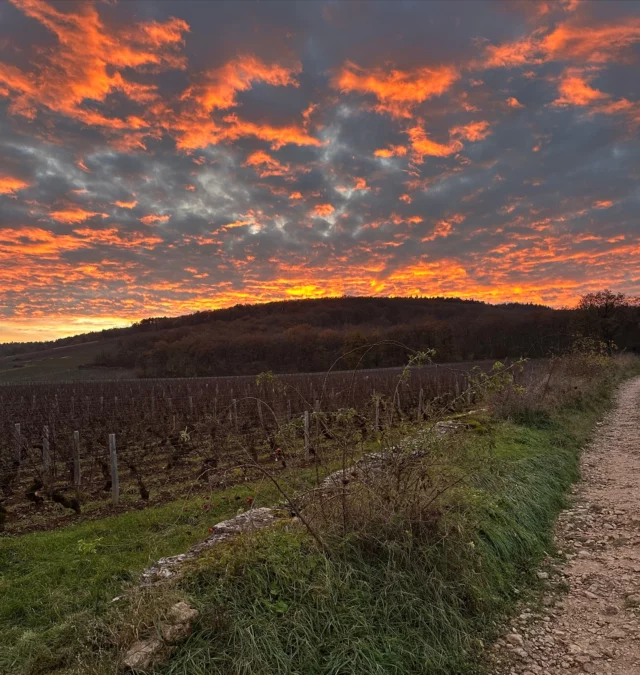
(154, 218)
(93, 61)
(397, 91)
(405, 198)
(250, 218)
(391, 151)
(218, 88)
(474, 131)
(126, 205)
(442, 229)
(199, 132)
(422, 145)
(34, 241)
(74, 215)
(295, 195)
(266, 165)
(574, 89)
(89, 62)
(445, 227)
(631, 109)
(277, 136)
(114, 237)
(595, 43)
(511, 54)
(513, 102)
(9, 185)
(580, 42)
(306, 114)
(603, 204)
(323, 210)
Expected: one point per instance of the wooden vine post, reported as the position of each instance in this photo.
(307, 437)
(234, 404)
(76, 460)
(115, 482)
(46, 454)
(17, 453)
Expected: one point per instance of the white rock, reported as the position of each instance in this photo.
(142, 654)
(181, 612)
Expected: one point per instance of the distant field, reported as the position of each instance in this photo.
(59, 363)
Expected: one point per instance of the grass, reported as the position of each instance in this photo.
(58, 363)
(55, 583)
(275, 603)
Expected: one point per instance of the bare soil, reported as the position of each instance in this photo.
(588, 618)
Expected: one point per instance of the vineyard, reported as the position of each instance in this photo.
(104, 447)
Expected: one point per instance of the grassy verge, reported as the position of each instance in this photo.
(275, 603)
(55, 584)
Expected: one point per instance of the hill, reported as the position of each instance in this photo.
(46, 363)
(309, 336)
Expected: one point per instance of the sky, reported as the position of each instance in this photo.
(163, 157)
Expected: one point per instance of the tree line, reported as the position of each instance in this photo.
(312, 335)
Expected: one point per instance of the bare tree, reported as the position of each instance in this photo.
(606, 315)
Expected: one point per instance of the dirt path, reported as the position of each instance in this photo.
(595, 627)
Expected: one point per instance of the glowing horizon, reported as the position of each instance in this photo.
(160, 158)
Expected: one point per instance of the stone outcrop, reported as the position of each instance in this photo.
(171, 567)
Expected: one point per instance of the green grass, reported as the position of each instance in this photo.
(53, 584)
(274, 603)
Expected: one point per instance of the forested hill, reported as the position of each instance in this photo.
(309, 335)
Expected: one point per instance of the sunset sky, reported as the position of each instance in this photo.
(159, 157)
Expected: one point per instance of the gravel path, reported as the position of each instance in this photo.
(595, 627)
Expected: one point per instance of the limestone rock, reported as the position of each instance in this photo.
(181, 612)
(142, 654)
(173, 633)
